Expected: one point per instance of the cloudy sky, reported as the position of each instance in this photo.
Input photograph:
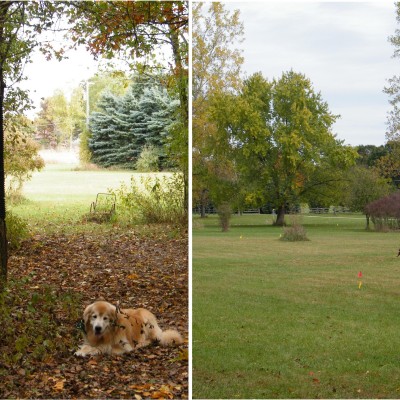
(342, 47)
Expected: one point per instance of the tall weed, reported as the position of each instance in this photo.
(152, 200)
(295, 232)
(17, 230)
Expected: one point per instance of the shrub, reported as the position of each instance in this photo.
(153, 200)
(17, 230)
(148, 159)
(224, 214)
(85, 155)
(21, 155)
(385, 212)
(294, 233)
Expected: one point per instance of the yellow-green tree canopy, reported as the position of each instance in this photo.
(217, 61)
(279, 133)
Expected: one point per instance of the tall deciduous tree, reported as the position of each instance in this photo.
(61, 120)
(393, 89)
(217, 61)
(20, 25)
(389, 164)
(370, 154)
(280, 135)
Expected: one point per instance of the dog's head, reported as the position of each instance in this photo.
(99, 318)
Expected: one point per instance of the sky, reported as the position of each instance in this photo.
(342, 47)
(45, 77)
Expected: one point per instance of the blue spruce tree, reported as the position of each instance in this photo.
(126, 125)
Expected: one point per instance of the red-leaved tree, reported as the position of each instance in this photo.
(385, 212)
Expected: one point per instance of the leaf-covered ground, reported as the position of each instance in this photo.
(52, 279)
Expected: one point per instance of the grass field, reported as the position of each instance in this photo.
(59, 196)
(274, 319)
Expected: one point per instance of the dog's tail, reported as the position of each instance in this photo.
(169, 337)
(154, 332)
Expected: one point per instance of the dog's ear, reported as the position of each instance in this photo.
(86, 313)
(114, 315)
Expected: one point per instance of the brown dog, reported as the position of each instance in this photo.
(110, 330)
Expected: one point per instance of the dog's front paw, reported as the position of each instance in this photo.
(87, 350)
(80, 353)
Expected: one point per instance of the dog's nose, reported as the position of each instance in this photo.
(97, 329)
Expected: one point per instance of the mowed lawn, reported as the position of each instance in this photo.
(275, 319)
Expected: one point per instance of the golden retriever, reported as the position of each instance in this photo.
(111, 330)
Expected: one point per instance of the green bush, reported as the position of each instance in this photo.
(17, 230)
(148, 159)
(152, 200)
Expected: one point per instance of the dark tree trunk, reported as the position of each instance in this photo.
(3, 236)
(367, 217)
(202, 211)
(280, 216)
(184, 105)
(4, 7)
(203, 202)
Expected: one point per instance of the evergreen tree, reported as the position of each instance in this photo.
(103, 125)
(128, 124)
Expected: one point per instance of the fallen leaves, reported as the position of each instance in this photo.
(150, 391)
(59, 385)
(148, 272)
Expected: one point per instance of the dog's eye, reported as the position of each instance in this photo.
(105, 318)
(94, 316)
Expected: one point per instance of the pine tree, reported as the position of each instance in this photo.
(128, 124)
(103, 125)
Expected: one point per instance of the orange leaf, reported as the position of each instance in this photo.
(59, 385)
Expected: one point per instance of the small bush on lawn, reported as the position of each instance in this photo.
(294, 233)
(152, 200)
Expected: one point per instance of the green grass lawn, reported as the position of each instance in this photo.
(58, 197)
(274, 319)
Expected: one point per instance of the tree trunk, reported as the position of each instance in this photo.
(3, 236)
(203, 201)
(280, 216)
(367, 217)
(181, 75)
(202, 211)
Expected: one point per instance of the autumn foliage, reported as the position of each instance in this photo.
(52, 279)
(385, 212)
